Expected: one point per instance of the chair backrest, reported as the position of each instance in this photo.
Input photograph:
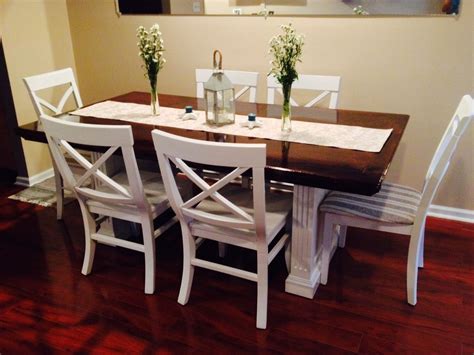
(242, 157)
(248, 80)
(327, 85)
(461, 119)
(44, 81)
(62, 135)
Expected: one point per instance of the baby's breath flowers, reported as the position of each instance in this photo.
(286, 50)
(150, 45)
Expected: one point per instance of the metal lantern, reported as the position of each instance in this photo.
(220, 96)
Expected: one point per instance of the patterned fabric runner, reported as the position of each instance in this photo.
(329, 135)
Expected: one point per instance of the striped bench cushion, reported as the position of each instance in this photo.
(393, 203)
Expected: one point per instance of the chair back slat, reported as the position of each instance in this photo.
(62, 135)
(63, 100)
(328, 85)
(210, 191)
(46, 104)
(222, 221)
(461, 119)
(241, 92)
(241, 157)
(53, 79)
(248, 81)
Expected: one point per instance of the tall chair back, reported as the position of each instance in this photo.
(461, 119)
(241, 157)
(36, 85)
(62, 135)
(44, 81)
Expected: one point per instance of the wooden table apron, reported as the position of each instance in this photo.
(312, 169)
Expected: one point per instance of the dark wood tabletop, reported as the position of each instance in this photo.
(302, 164)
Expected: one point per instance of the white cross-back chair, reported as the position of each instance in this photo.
(396, 208)
(224, 212)
(326, 84)
(37, 83)
(123, 196)
(244, 79)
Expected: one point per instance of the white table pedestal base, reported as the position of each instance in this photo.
(305, 242)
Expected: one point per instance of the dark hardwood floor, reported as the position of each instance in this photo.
(46, 305)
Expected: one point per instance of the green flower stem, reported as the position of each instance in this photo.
(154, 96)
(286, 111)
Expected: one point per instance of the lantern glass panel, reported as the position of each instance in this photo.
(220, 107)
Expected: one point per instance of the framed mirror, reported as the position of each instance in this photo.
(267, 8)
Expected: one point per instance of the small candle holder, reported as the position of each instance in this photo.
(251, 122)
(188, 114)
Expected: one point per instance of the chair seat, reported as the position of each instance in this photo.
(154, 193)
(278, 207)
(393, 204)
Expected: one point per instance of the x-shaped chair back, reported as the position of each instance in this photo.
(40, 82)
(242, 157)
(62, 135)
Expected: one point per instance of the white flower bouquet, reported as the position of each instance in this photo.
(151, 48)
(286, 49)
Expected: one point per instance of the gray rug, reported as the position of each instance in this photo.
(43, 194)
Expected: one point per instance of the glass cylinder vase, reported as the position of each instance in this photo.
(154, 103)
(286, 110)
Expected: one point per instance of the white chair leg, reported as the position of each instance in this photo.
(412, 269)
(189, 253)
(58, 182)
(90, 244)
(262, 287)
(328, 230)
(421, 250)
(342, 236)
(150, 258)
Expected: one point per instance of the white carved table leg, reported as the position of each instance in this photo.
(305, 245)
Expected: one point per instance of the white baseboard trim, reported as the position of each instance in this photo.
(35, 179)
(456, 214)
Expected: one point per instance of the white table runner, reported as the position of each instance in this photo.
(329, 135)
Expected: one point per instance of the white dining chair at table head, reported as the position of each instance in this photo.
(396, 208)
(130, 195)
(37, 84)
(224, 212)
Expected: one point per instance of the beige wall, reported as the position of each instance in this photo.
(418, 65)
(36, 39)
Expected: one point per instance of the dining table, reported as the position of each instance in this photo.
(311, 170)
